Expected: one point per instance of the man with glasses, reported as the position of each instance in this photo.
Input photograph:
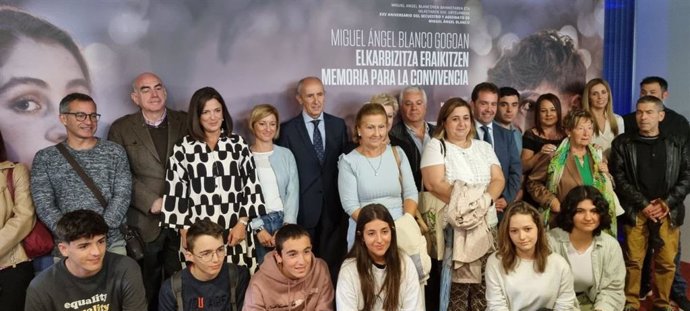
(57, 188)
(148, 136)
(208, 282)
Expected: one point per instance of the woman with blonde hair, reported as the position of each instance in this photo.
(597, 99)
(277, 172)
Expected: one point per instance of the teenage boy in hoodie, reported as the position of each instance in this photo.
(209, 282)
(290, 276)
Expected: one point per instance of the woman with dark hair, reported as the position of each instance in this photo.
(17, 217)
(376, 275)
(524, 274)
(598, 101)
(575, 162)
(277, 172)
(596, 259)
(211, 175)
(542, 140)
(39, 64)
(453, 156)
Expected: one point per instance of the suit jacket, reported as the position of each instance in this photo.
(506, 151)
(148, 170)
(319, 200)
(400, 137)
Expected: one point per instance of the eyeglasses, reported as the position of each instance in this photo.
(207, 256)
(81, 116)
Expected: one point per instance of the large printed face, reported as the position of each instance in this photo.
(84, 255)
(33, 79)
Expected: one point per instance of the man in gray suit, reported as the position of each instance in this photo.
(148, 137)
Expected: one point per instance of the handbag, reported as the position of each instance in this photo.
(410, 235)
(39, 241)
(432, 210)
(133, 241)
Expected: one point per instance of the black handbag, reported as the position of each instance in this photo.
(133, 241)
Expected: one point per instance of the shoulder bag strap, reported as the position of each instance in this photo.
(233, 276)
(176, 286)
(397, 160)
(10, 182)
(84, 177)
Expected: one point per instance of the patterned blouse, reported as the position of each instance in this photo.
(219, 184)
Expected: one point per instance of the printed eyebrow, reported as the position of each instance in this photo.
(22, 80)
(77, 83)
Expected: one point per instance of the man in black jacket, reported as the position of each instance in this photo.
(652, 174)
(413, 130)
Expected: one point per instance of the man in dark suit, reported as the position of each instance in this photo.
(413, 132)
(317, 139)
(484, 102)
(148, 137)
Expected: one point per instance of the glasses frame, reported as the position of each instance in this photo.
(81, 116)
(221, 252)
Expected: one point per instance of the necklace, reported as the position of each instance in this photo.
(378, 167)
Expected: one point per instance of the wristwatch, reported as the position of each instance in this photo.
(259, 229)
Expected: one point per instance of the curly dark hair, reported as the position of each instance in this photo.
(564, 219)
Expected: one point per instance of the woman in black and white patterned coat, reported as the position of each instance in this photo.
(211, 174)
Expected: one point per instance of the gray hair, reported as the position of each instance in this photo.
(412, 89)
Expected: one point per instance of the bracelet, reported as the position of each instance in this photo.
(244, 222)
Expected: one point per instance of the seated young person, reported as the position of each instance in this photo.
(375, 274)
(88, 278)
(595, 258)
(208, 281)
(291, 278)
(524, 274)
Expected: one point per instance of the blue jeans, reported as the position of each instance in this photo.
(272, 222)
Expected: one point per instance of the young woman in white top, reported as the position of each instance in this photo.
(376, 275)
(524, 274)
(597, 99)
(596, 258)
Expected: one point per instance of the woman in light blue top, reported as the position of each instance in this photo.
(277, 171)
(372, 174)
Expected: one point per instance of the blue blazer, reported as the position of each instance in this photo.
(319, 201)
(506, 151)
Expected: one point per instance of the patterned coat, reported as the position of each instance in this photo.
(219, 184)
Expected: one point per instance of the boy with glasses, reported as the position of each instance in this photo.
(209, 282)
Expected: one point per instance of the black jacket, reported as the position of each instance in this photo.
(623, 166)
(400, 137)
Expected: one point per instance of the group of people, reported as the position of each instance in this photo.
(264, 225)
(302, 217)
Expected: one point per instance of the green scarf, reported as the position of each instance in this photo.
(555, 172)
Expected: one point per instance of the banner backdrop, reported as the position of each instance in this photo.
(255, 51)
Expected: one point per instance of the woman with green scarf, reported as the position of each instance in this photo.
(576, 162)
